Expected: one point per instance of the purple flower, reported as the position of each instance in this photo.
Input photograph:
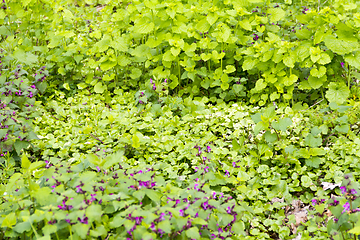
(214, 195)
(165, 81)
(196, 169)
(141, 102)
(342, 64)
(227, 173)
(83, 220)
(196, 187)
(151, 81)
(181, 213)
(353, 191)
(208, 149)
(314, 202)
(206, 169)
(346, 207)
(98, 169)
(154, 87)
(343, 189)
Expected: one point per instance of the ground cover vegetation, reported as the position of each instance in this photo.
(179, 119)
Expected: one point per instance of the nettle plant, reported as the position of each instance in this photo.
(111, 199)
(18, 106)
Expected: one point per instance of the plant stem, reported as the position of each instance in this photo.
(349, 68)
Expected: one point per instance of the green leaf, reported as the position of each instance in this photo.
(245, 24)
(260, 126)
(312, 141)
(318, 72)
(135, 141)
(120, 44)
(144, 26)
(355, 230)
(288, 81)
(107, 65)
(341, 46)
(343, 128)
(81, 229)
(43, 196)
(324, 58)
(9, 221)
(49, 229)
(212, 17)
(93, 159)
(168, 56)
(317, 152)
(22, 227)
(289, 60)
(315, 82)
(193, 233)
(353, 60)
(135, 73)
(2, 14)
(165, 226)
(42, 86)
(102, 45)
(276, 14)
(94, 212)
(3, 132)
(270, 137)
(260, 85)
(46, 237)
(282, 124)
(337, 92)
(19, 145)
(224, 86)
(66, 86)
(99, 88)
(306, 181)
(249, 63)
(238, 228)
(203, 25)
(153, 195)
(229, 69)
(313, 162)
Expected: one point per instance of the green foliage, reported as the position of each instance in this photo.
(202, 49)
(178, 120)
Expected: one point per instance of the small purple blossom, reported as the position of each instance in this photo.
(83, 220)
(346, 207)
(353, 191)
(314, 202)
(208, 149)
(342, 64)
(343, 189)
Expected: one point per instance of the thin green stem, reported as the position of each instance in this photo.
(70, 232)
(349, 76)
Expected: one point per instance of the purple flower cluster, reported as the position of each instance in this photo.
(304, 9)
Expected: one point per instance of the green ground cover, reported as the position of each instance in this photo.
(179, 119)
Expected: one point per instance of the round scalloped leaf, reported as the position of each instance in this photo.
(337, 92)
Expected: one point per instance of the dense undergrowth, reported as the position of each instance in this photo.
(179, 119)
